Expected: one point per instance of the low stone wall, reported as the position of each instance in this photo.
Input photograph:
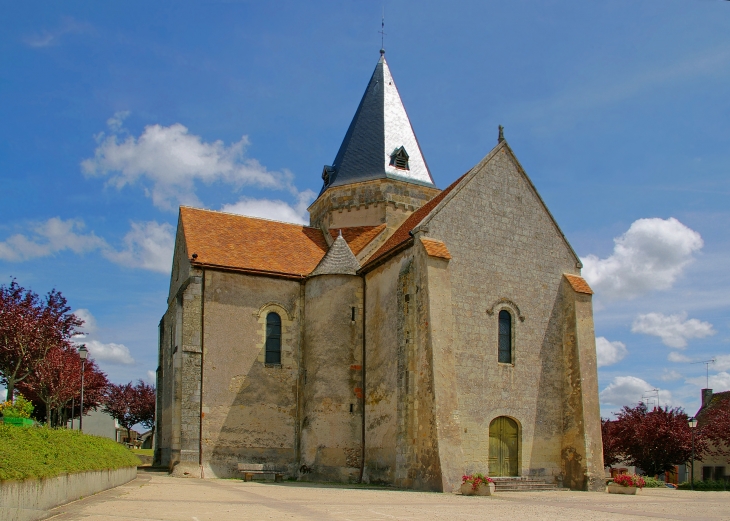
(31, 499)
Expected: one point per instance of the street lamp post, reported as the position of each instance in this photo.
(692, 424)
(83, 353)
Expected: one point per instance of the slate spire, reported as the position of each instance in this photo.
(380, 142)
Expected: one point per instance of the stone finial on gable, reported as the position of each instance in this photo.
(500, 138)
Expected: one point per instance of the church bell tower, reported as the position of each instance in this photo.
(379, 175)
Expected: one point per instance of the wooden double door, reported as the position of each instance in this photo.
(503, 447)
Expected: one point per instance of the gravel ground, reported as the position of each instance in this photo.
(157, 496)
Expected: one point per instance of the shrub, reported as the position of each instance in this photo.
(22, 408)
(650, 482)
(708, 485)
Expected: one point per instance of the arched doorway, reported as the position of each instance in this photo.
(503, 447)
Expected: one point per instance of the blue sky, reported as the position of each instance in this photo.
(113, 115)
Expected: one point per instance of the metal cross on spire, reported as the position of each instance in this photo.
(382, 33)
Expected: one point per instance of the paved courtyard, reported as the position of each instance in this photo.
(156, 496)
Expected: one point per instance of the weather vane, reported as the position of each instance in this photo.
(382, 33)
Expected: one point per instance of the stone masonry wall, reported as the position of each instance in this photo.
(385, 408)
(332, 384)
(507, 254)
(369, 203)
(249, 408)
(190, 349)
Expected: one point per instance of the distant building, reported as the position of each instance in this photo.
(98, 423)
(711, 467)
(407, 336)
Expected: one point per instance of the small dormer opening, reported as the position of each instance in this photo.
(327, 174)
(399, 159)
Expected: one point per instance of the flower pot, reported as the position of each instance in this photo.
(482, 489)
(18, 422)
(620, 489)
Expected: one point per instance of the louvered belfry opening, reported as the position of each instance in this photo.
(399, 159)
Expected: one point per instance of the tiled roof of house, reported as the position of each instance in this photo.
(358, 237)
(403, 234)
(435, 248)
(250, 244)
(578, 284)
(339, 260)
(715, 401)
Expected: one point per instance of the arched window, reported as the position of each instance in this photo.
(273, 338)
(505, 337)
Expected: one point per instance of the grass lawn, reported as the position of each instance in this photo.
(37, 452)
(144, 452)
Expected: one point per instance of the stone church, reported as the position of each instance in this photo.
(407, 336)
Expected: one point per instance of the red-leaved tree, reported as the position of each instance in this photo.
(131, 404)
(655, 440)
(29, 328)
(56, 383)
(145, 405)
(611, 443)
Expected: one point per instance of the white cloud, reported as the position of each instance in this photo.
(148, 245)
(717, 382)
(274, 209)
(670, 376)
(678, 358)
(89, 326)
(48, 238)
(49, 38)
(3, 395)
(151, 377)
(172, 160)
(110, 353)
(649, 256)
(117, 120)
(674, 330)
(609, 352)
(630, 390)
(722, 362)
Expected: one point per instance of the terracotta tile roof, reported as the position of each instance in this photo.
(403, 234)
(251, 244)
(357, 237)
(578, 284)
(435, 248)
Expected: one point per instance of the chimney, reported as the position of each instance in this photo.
(706, 397)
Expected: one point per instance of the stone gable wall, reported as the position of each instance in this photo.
(505, 247)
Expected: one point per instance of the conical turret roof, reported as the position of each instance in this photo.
(380, 142)
(339, 260)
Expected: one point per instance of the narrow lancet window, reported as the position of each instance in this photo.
(505, 337)
(273, 338)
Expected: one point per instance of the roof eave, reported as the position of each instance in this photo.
(250, 271)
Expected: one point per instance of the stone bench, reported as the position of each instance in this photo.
(249, 469)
